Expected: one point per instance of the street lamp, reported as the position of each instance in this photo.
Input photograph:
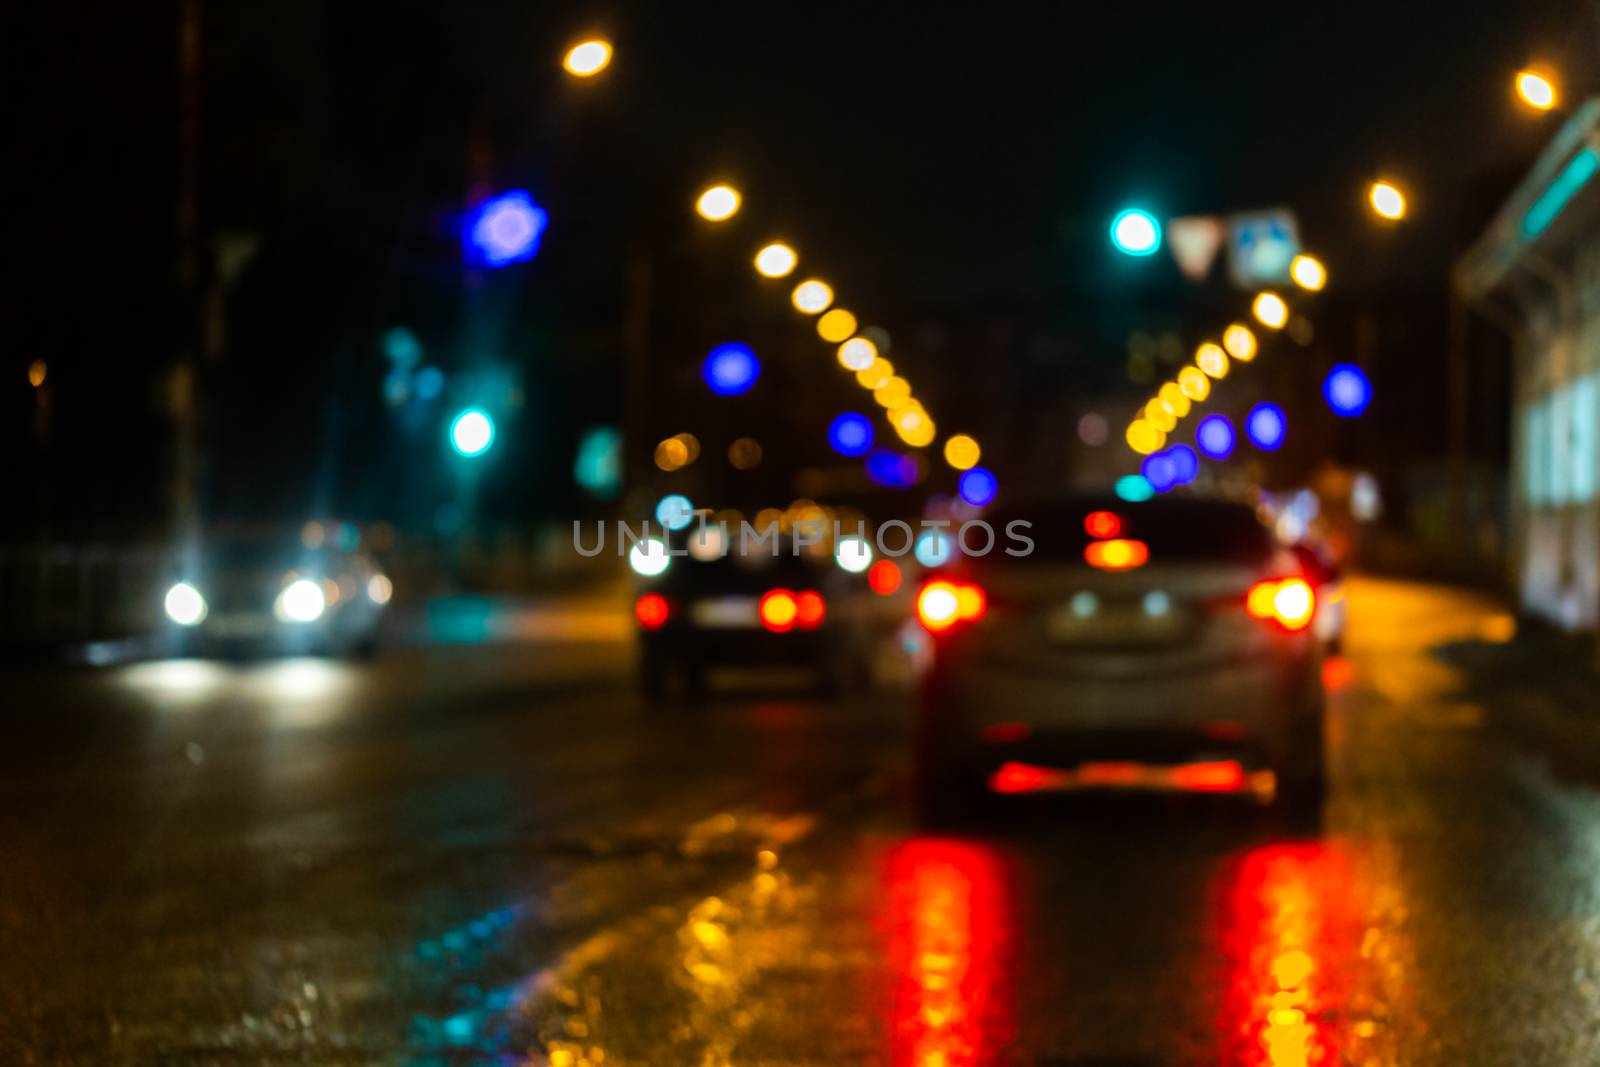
(1536, 90)
(718, 203)
(1387, 200)
(587, 58)
(1308, 273)
(1239, 342)
(1135, 232)
(812, 296)
(776, 260)
(1270, 310)
(472, 432)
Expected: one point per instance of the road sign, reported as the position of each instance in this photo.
(1261, 245)
(1195, 241)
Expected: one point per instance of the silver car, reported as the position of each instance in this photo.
(1166, 644)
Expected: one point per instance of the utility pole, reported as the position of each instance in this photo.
(182, 393)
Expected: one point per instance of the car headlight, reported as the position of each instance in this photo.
(301, 601)
(185, 606)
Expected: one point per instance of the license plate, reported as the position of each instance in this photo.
(240, 625)
(726, 613)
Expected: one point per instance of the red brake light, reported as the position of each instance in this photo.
(884, 577)
(1102, 524)
(810, 609)
(1289, 601)
(1119, 554)
(778, 610)
(652, 611)
(943, 603)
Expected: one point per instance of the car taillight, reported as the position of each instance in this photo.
(1118, 554)
(943, 603)
(652, 611)
(809, 610)
(1288, 601)
(778, 610)
(884, 577)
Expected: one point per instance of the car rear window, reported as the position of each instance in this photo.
(1174, 530)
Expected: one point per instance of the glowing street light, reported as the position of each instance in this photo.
(836, 325)
(1270, 310)
(718, 203)
(857, 354)
(1174, 398)
(776, 260)
(1210, 358)
(472, 432)
(812, 296)
(1194, 383)
(505, 229)
(588, 58)
(1536, 90)
(1135, 232)
(1387, 200)
(1308, 273)
(1144, 438)
(1240, 342)
(962, 452)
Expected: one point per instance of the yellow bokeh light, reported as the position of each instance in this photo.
(857, 354)
(1194, 383)
(874, 376)
(588, 58)
(36, 372)
(776, 260)
(718, 203)
(812, 296)
(1270, 310)
(1308, 272)
(1144, 438)
(1536, 90)
(892, 392)
(1174, 398)
(919, 433)
(691, 443)
(908, 413)
(836, 325)
(1387, 200)
(671, 454)
(1240, 342)
(962, 452)
(1210, 358)
(1160, 415)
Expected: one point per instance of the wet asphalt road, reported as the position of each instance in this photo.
(497, 854)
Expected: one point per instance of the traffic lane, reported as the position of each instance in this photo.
(231, 860)
(1448, 913)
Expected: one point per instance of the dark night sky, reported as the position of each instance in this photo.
(933, 164)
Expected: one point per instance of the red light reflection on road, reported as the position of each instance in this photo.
(1336, 673)
(1290, 938)
(949, 928)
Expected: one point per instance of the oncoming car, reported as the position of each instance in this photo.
(1164, 644)
(767, 607)
(269, 594)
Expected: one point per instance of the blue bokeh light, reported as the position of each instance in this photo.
(892, 470)
(731, 369)
(978, 487)
(428, 383)
(505, 229)
(1185, 464)
(674, 511)
(1160, 471)
(1266, 427)
(851, 434)
(1215, 436)
(1347, 390)
(933, 548)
